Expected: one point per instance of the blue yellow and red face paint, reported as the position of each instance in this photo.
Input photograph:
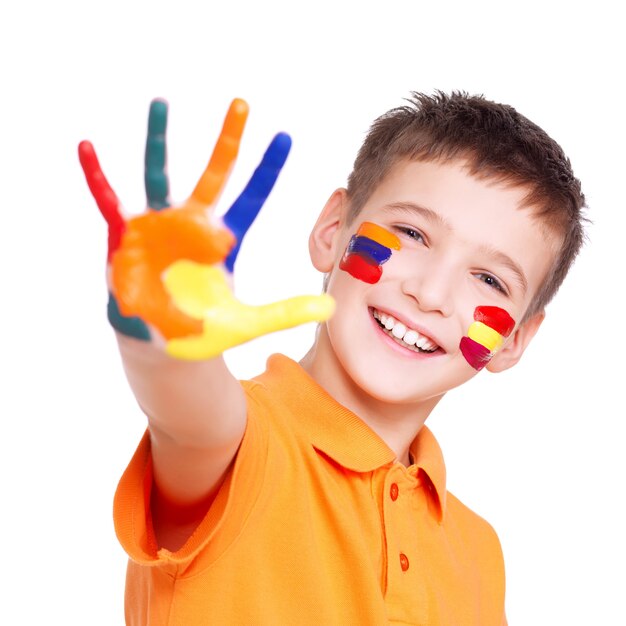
(367, 251)
(491, 326)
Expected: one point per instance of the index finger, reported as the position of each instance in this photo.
(224, 154)
(244, 210)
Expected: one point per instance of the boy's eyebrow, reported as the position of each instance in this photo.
(434, 217)
(411, 207)
(508, 262)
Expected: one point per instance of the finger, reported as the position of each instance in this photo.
(224, 154)
(244, 210)
(292, 312)
(103, 194)
(243, 323)
(155, 176)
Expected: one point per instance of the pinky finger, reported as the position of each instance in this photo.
(105, 197)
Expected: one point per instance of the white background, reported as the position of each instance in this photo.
(538, 450)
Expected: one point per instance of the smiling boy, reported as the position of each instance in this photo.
(314, 494)
(454, 230)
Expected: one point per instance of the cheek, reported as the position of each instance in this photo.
(486, 334)
(360, 268)
(367, 251)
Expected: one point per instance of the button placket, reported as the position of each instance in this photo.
(405, 592)
(396, 509)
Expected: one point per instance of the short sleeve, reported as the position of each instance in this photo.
(226, 516)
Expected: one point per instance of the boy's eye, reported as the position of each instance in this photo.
(493, 282)
(412, 233)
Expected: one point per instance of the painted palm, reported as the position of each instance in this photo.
(169, 269)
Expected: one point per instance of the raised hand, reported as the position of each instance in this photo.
(193, 313)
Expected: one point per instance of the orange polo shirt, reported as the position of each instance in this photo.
(315, 524)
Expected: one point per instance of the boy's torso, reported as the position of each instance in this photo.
(316, 524)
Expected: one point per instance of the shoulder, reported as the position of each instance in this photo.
(469, 524)
(475, 538)
(265, 403)
(282, 395)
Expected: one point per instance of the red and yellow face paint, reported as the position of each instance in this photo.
(486, 335)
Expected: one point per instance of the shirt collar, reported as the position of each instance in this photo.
(342, 435)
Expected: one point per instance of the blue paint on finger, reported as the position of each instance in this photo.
(244, 210)
(155, 177)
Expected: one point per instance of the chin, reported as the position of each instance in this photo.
(391, 386)
(375, 365)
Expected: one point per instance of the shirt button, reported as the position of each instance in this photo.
(404, 562)
(393, 491)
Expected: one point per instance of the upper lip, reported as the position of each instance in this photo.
(422, 330)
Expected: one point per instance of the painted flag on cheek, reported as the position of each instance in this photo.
(486, 335)
(367, 251)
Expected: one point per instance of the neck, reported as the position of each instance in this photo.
(396, 423)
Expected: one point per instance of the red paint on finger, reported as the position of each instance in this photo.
(496, 318)
(105, 197)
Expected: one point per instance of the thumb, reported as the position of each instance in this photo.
(292, 312)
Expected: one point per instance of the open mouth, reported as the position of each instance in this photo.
(404, 336)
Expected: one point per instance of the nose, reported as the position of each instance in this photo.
(432, 287)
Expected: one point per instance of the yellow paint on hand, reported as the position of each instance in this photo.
(202, 292)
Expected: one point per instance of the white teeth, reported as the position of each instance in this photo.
(424, 344)
(410, 337)
(400, 331)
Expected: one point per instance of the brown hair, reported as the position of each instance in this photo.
(497, 142)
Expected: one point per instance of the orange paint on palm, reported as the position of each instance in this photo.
(137, 267)
(223, 157)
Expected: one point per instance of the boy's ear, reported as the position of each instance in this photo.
(512, 352)
(325, 234)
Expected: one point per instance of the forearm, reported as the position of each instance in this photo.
(196, 414)
(180, 398)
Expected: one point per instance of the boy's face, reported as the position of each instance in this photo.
(465, 243)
